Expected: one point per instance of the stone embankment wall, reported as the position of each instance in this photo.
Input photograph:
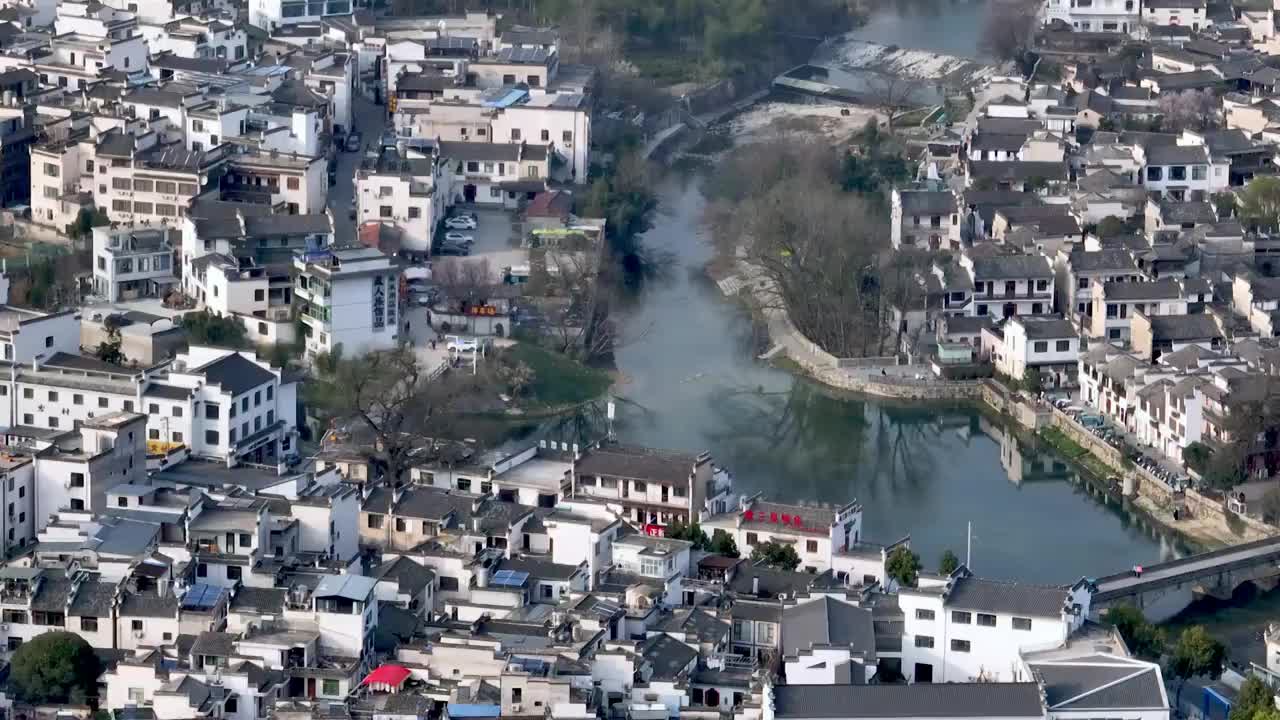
(918, 383)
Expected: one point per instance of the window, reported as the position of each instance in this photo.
(1062, 345)
(961, 617)
(1041, 346)
(811, 546)
(330, 688)
(102, 402)
(233, 572)
(89, 624)
(246, 540)
(374, 521)
(515, 133)
(197, 126)
(244, 404)
(292, 183)
(567, 137)
(752, 538)
(211, 411)
(136, 624)
(177, 437)
(960, 646)
(28, 393)
(187, 188)
(922, 614)
(153, 434)
(28, 419)
(986, 620)
(77, 480)
(121, 184)
(1178, 172)
(1113, 334)
(546, 136)
(128, 405)
(232, 705)
(143, 185)
(269, 393)
(400, 525)
(202, 570)
(924, 641)
(384, 211)
(211, 437)
(153, 408)
(1021, 623)
(166, 187)
(1155, 174)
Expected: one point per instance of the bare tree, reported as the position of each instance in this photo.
(1008, 29)
(465, 282)
(1189, 109)
(391, 396)
(891, 93)
(578, 321)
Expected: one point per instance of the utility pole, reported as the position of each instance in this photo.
(968, 547)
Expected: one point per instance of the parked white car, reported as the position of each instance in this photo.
(460, 222)
(459, 238)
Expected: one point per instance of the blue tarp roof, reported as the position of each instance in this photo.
(464, 710)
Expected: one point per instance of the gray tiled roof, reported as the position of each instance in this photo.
(1102, 261)
(1184, 327)
(1100, 683)
(1011, 266)
(670, 468)
(927, 202)
(235, 374)
(668, 656)
(148, 604)
(951, 700)
(93, 599)
(827, 622)
(1006, 598)
(1160, 289)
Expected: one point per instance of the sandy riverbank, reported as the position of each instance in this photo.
(860, 55)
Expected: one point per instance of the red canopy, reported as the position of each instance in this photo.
(389, 675)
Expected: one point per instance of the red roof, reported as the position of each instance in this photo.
(390, 675)
(553, 203)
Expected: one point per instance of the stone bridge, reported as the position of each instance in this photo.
(1162, 591)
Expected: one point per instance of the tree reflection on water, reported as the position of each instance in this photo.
(809, 439)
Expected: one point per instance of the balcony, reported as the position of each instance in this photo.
(1045, 294)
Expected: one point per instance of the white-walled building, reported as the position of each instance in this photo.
(967, 629)
(348, 297)
(817, 533)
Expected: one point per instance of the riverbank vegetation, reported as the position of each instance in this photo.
(1193, 654)
(812, 223)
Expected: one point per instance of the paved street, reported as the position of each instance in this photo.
(369, 120)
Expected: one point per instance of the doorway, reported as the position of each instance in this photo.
(924, 673)
(469, 193)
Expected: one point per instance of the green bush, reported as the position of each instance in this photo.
(55, 667)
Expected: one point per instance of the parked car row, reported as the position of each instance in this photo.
(1096, 425)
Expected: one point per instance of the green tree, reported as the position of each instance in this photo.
(1271, 506)
(1224, 203)
(1143, 638)
(109, 349)
(55, 667)
(1110, 227)
(1197, 455)
(1031, 380)
(948, 563)
(1196, 654)
(903, 565)
(692, 533)
(722, 543)
(1254, 697)
(1260, 202)
(86, 221)
(777, 555)
(206, 328)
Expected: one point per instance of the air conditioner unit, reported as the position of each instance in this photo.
(515, 708)
(137, 634)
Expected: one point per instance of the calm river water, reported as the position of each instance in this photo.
(691, 382)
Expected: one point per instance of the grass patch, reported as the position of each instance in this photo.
(1058, 440)
(557, 379)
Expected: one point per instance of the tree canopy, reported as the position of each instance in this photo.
(775, 554)
(692, 532)
(1254, 698)
(206, 328)
(948, 563)
(55, 667)
(1260, 202)
(903, 565)
(722, 543)
(1143, 638)
(1196, 654)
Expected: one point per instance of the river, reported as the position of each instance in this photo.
(690, 381)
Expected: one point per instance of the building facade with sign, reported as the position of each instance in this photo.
(817, 532)
(348, 297)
